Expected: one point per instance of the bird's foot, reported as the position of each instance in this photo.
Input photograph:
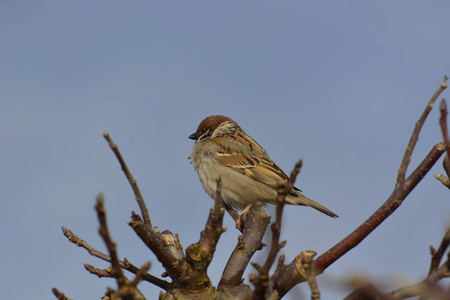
(240, 222)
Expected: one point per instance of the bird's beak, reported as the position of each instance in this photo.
(195, 135)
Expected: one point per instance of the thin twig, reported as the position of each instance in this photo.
(131, 180)
(217, 204)
(276, 226)
(123, 264)
(283, 191)
(116, 270)
(437, 255)
(140, 275)
(415, 135)
(446, 165)
(101, 273)
(59, 295)
(443, 179)
(443, 123)
(261, 281)
(295, 172)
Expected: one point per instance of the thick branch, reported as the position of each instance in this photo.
(392, 203)
(131, 180)
(176, 268)
(287, 276)
(310, 276)
(250, 241)
(209, 237)
(200, 254)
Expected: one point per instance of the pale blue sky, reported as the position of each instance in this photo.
(337, 83)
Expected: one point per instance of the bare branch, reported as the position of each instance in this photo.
(59, 295)
(285, 283)
(116, 270)
(249, 242)
(443, 123)
(307, 257)
(231, 211)
(261, 281)
(437, 255)
(443, 179)
(126, 291)
(392, 203)
(446, 165)
(131, 180)
(280, 268)
(209, 237)
(215, 218)
(171, 243)
(295, 172)
(426, 288)
(288, 276)
(123, 264)
(283, 191)
(176, 268)
(200, 254)
(140, 275)
(415, 135)
(101, 273)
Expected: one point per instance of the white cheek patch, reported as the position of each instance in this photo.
(223, 154)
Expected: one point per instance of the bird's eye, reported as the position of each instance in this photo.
(203, 133)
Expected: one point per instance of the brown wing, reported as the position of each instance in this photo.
(248, 158)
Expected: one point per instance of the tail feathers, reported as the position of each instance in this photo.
(299, 199)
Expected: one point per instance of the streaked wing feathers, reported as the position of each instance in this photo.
(248, 158)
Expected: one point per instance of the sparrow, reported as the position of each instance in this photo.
(248, 176)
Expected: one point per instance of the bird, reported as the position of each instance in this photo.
(248, 176)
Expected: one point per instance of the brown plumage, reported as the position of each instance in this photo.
(249, 177)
